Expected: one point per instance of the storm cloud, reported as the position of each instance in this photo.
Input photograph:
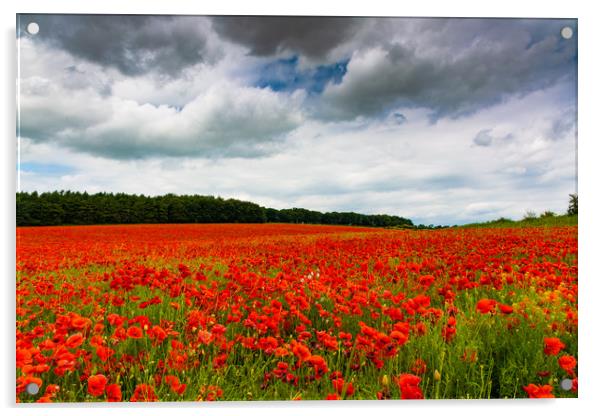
(313, 37)
(444, 66)
(133, 45)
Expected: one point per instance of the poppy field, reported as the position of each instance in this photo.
(294, 312)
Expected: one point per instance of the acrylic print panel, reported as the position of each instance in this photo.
(282, 208)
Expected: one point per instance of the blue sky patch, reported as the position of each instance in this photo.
(50, 169)
(284, 75)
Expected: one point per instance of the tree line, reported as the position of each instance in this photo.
(81, 208)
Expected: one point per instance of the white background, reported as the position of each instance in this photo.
(590, 345)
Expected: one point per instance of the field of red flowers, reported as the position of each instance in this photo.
(287, 312)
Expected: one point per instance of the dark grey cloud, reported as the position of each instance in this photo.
(134, 45)
(313, 37)
(454, 67)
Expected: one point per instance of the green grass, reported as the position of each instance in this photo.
(548, 221)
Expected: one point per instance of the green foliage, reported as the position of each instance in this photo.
(572, 205)
(543, 220)
(547, 214)
(76, 208)
(530, 215)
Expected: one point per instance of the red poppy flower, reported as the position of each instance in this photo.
(400, 337)
(204, 336)
(74, 340)
(505, 309)
(144, 393)
(218, 329)
(158, 334)
(426, 280)
(97, 384)
(552, 346)
(113, 393)
(220, 361)
(419, 366)
(135, 332)
(486, 306)
(319, 365)
(340, 386)
(539, 392)
(174, 383)
(115, 319)
(301, 351)
(408, 385)
(567, 363)
(420, 328)
(104, 353)
(23, 381)
(80, 323)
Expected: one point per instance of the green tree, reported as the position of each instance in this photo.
(78, 208)
(572, 204)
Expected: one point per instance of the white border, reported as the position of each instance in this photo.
(589, 153)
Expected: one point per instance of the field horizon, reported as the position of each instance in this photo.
(82, 208)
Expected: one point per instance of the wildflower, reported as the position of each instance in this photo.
(220, 361)
(113, 393)
(204, 337)
(158, 334)
(144, 393)
(24, 381)
(539, 392)
(567, 363)
(505, 309)
(486, 306)
(104, 353)
(426, 280)
(210, 393)
(552, 346)
(408, 386)
(97, 384)
(419, 366)
(74, 340)
(400, 337)
(340, 386)
(134, 332)
(319, 365)
(174, 383)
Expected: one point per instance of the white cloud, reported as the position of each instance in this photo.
(217, 117)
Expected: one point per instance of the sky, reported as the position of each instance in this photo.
(443, 121)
